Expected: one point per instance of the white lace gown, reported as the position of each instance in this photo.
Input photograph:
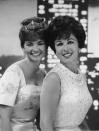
(75, 99)
(24, 98)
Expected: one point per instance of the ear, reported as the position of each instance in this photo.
(79, 50)
(24, 52)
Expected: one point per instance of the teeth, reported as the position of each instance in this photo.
(67, 54)
(35, 54)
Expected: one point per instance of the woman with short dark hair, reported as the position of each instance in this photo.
(65, 98)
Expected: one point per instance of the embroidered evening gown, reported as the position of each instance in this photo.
(75, 99)
(24, 98)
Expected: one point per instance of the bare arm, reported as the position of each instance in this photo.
(49, 102)
(5, 113)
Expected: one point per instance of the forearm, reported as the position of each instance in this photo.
(46, 129)
(46, 126)
(5, 124)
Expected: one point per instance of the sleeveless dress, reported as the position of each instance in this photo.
(75, 99)
(24, 98)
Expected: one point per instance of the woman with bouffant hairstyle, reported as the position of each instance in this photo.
(65, 98)
(21, 83)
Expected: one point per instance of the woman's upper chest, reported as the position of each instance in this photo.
(35, 77)
(74, 90)
(29, 89)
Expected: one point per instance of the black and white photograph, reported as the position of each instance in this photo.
(49, 65)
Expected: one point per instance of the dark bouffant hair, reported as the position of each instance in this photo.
(30, 26)
(65, 25)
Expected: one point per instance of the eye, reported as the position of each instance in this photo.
(29, 43)
(41, 43)
(70, 42)
(59, 43)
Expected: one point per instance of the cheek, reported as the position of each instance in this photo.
(26, 51)
(58, 52)
(43, 49)
(76, 50)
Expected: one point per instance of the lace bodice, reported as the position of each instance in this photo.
(75, 99)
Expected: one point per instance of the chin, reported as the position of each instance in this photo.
(35, 60)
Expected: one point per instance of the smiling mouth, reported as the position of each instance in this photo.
(35, 54)
(67, 55)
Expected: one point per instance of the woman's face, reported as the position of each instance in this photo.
(34, 50)
(67, 49)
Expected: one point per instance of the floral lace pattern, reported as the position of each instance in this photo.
(75, 99)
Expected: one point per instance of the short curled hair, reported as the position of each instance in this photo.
(29, 27)
(65, 25)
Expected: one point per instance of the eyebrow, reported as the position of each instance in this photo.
(57, 40)
(70, 38)
(40, 40)
(37, 41)
(66, 39)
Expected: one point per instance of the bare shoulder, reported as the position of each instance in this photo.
(53, 76)
(52, 80)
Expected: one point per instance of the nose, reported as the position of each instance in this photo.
(35, 47)
(65, 46)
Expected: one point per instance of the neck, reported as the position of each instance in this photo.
(30, 68)
(73, 66)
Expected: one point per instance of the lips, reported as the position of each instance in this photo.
(35, 53)
(67, 55)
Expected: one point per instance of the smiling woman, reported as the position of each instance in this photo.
(65, 99)
(35, 49)
(21, 83)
